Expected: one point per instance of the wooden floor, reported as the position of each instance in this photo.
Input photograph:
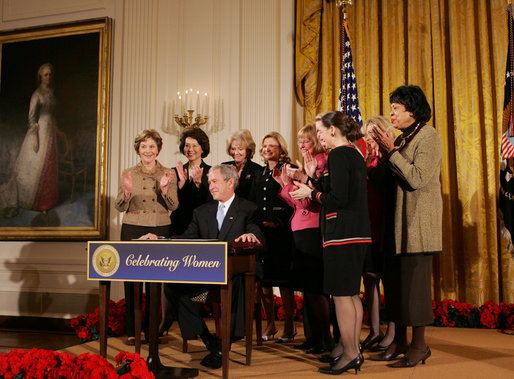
(456, 353)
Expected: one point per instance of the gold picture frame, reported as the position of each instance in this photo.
(54, 125)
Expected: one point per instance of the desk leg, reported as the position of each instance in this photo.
(226, 303)
(258, 314)
(249, 308)
(104, 295)
(153, 344)
(153, 361)
(137, 315)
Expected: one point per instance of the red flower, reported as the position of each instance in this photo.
(281, 313)
(84, 333)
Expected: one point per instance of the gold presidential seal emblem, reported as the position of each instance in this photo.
(106, 260)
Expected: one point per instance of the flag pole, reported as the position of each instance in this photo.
(343, 4)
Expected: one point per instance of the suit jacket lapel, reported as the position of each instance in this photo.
(229, 219)
(210, 219)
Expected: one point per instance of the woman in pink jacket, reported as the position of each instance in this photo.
(307, 266)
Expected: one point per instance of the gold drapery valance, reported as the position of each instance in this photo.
(456, 51)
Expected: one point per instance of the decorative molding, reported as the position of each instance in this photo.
(138, 75)
(25, 9)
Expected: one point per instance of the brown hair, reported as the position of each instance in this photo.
(245, 139)
(346, 125)
(144, 135)
(284, 155)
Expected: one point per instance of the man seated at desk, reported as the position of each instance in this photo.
(227, 218)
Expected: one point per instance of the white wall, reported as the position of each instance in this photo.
(239, 51)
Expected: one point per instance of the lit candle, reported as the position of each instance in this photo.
(197, 102)
(187, 96)
(181, 105)
(206, 104)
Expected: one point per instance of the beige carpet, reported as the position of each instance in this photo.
(456, 353)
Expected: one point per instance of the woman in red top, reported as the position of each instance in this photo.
(373, 266)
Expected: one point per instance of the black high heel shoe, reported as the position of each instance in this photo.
(378, 347)
(370, 341)
(286, 339)
(329, 359)
(405, 362)
(165, 326)
(356, 364)
(385, 356)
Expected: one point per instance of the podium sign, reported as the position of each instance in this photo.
(158, 261)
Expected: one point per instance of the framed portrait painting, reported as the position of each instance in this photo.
(54, 124)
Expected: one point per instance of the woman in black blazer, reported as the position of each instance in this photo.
(274, 266)
(193, 191)
(193, 188)
(241, 147)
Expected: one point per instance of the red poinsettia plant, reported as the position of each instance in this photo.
(87, 326)
(449, 313)
(40, 363)
(452, 313)
(280, 313)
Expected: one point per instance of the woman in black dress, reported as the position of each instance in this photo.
(193, 191)
(274, 266)
(341, 191)
(241, 147)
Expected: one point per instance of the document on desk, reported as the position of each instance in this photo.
(173, 261)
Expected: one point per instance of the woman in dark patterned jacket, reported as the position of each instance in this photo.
(274, 266)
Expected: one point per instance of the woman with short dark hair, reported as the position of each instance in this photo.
(193, 188)
(415, 159)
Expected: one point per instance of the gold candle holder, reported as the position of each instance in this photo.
(188, 121)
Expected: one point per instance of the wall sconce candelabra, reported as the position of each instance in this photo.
(184, 105)
(181, 113)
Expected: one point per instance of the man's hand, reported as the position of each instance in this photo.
(148, 236)
(247, 237)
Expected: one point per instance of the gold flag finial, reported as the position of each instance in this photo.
(343, 4)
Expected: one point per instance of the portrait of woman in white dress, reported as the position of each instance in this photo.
(34, 184)
(36, 166)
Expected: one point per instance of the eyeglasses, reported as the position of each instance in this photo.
(304, 142)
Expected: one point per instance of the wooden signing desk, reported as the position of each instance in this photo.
(241, 260)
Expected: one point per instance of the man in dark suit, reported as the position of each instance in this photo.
(227, 218)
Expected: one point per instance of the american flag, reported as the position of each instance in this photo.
(506, 197)
(348, 99)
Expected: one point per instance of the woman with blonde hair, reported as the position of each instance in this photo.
(307, 262)
(241, 147)
(274, 266)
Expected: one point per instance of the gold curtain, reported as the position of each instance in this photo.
(456, 52)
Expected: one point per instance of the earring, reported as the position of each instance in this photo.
(332, 134)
